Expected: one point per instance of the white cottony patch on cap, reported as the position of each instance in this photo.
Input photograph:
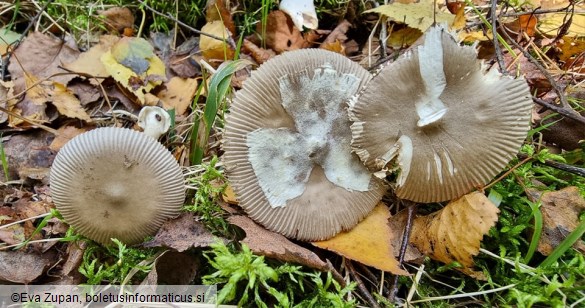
(430, 60)
(283, 159)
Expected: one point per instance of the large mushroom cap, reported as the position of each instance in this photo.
(287, 146)
(116, 183)
(438, 117)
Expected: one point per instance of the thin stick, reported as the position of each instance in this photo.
(568, 168)
(496, 43)
(411, 209)
(23, 220)
(361, 287)
(560, 110)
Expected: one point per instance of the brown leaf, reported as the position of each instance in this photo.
(116, 19)
(181, 234)
(229, 195)
(22, 267)
(274, 245)
(28, 151)
(42, 55)
(6, 92)
(218, 10)
(89, 62)
(75, 252)
(524, 23)
(560, 216)
(178, 94)
(397, 224)
(173, 268)
(335, 47)
(212, 48)
(57, 94)
(339, 33)
(281, 34)
(455, 232)
(65, 133)
(370, 242)
(260, 55)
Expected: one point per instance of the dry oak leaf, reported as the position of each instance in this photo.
(419, 15)
(89, 63)
(212, 48)
(42, 55)
(64, 134)
(276, 246)
(560, 216)
(178, 94)
(281, 33)
(370, 242)
(63, 99)
(455, 232)
(182, 233)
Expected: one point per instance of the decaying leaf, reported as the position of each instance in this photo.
(89, 62)
(117, 18)
(212, 48)
(560, 216)
(218, 10)
(274, 245)
(47, 91)
(178, 94)
(403, 37)
(281, 34)
(7, 38)
(455, 232)
(132, 63)
(172, 268)
(22, 267)
(550, 24)
(419, 15)
(181, 234)
(370, 242)
(65, 133)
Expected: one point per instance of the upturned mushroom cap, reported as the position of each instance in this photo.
(287, 146)
(154, 120)
(440, 119)
(116, 183)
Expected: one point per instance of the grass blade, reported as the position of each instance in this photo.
(564, 245)
(218, 87)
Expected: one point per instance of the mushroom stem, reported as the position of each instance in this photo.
(430, 108)
(402, 151)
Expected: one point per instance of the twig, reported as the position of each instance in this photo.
(229, 39)
(360, 284)
(364, 269)
(555, 164)
(562, 111)
(541, 11)
(547, 75)
(411, 209)
(496, 43)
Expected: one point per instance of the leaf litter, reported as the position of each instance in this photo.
(69, 89)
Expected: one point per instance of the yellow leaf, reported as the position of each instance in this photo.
(89, 62)
(455, 232)
(403, 37)
(369, 242)
(138, 84)
(212, 48)
(550, 24)
(416, 15)
(67, 104)
(178, 94)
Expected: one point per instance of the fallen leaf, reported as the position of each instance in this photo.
(370, 242)
(560, 216)
(6, 92)
(229, 195)
(397, 224)
(334, 47)
(173, 268)
(570, 47)
(22, 267)
(217, 10)
(460, 20)
(181, 234)
(212, 48)
(455, 232)
(260, 55)
(550, 24)
(14, 234)
(42, 55)
(67, 104)
(132, 63)
(419, 15)
(281, 34)
(276, 246)
(403, 37)
(339, 33)
(29, 150)
(524, 23)
(7, 38)
(116, 19)
(75, 253)
(179, 94)
(89, 63)
(64, 134)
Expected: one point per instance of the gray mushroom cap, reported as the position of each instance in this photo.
(440, 119)
(116, 183)
(287, 146)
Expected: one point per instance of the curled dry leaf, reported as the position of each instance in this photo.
(274, 245)
(455, 232)
(181, 234)
(281, 34)
(560, 216)
(370, 242)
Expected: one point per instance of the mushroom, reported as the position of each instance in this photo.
(155, 121)
(302, 13)
(440, 120)
(116, 183)
(287, 146)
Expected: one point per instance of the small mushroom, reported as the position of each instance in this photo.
(155, 121)
(439, 119)
(287, 146)
(116, 183)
